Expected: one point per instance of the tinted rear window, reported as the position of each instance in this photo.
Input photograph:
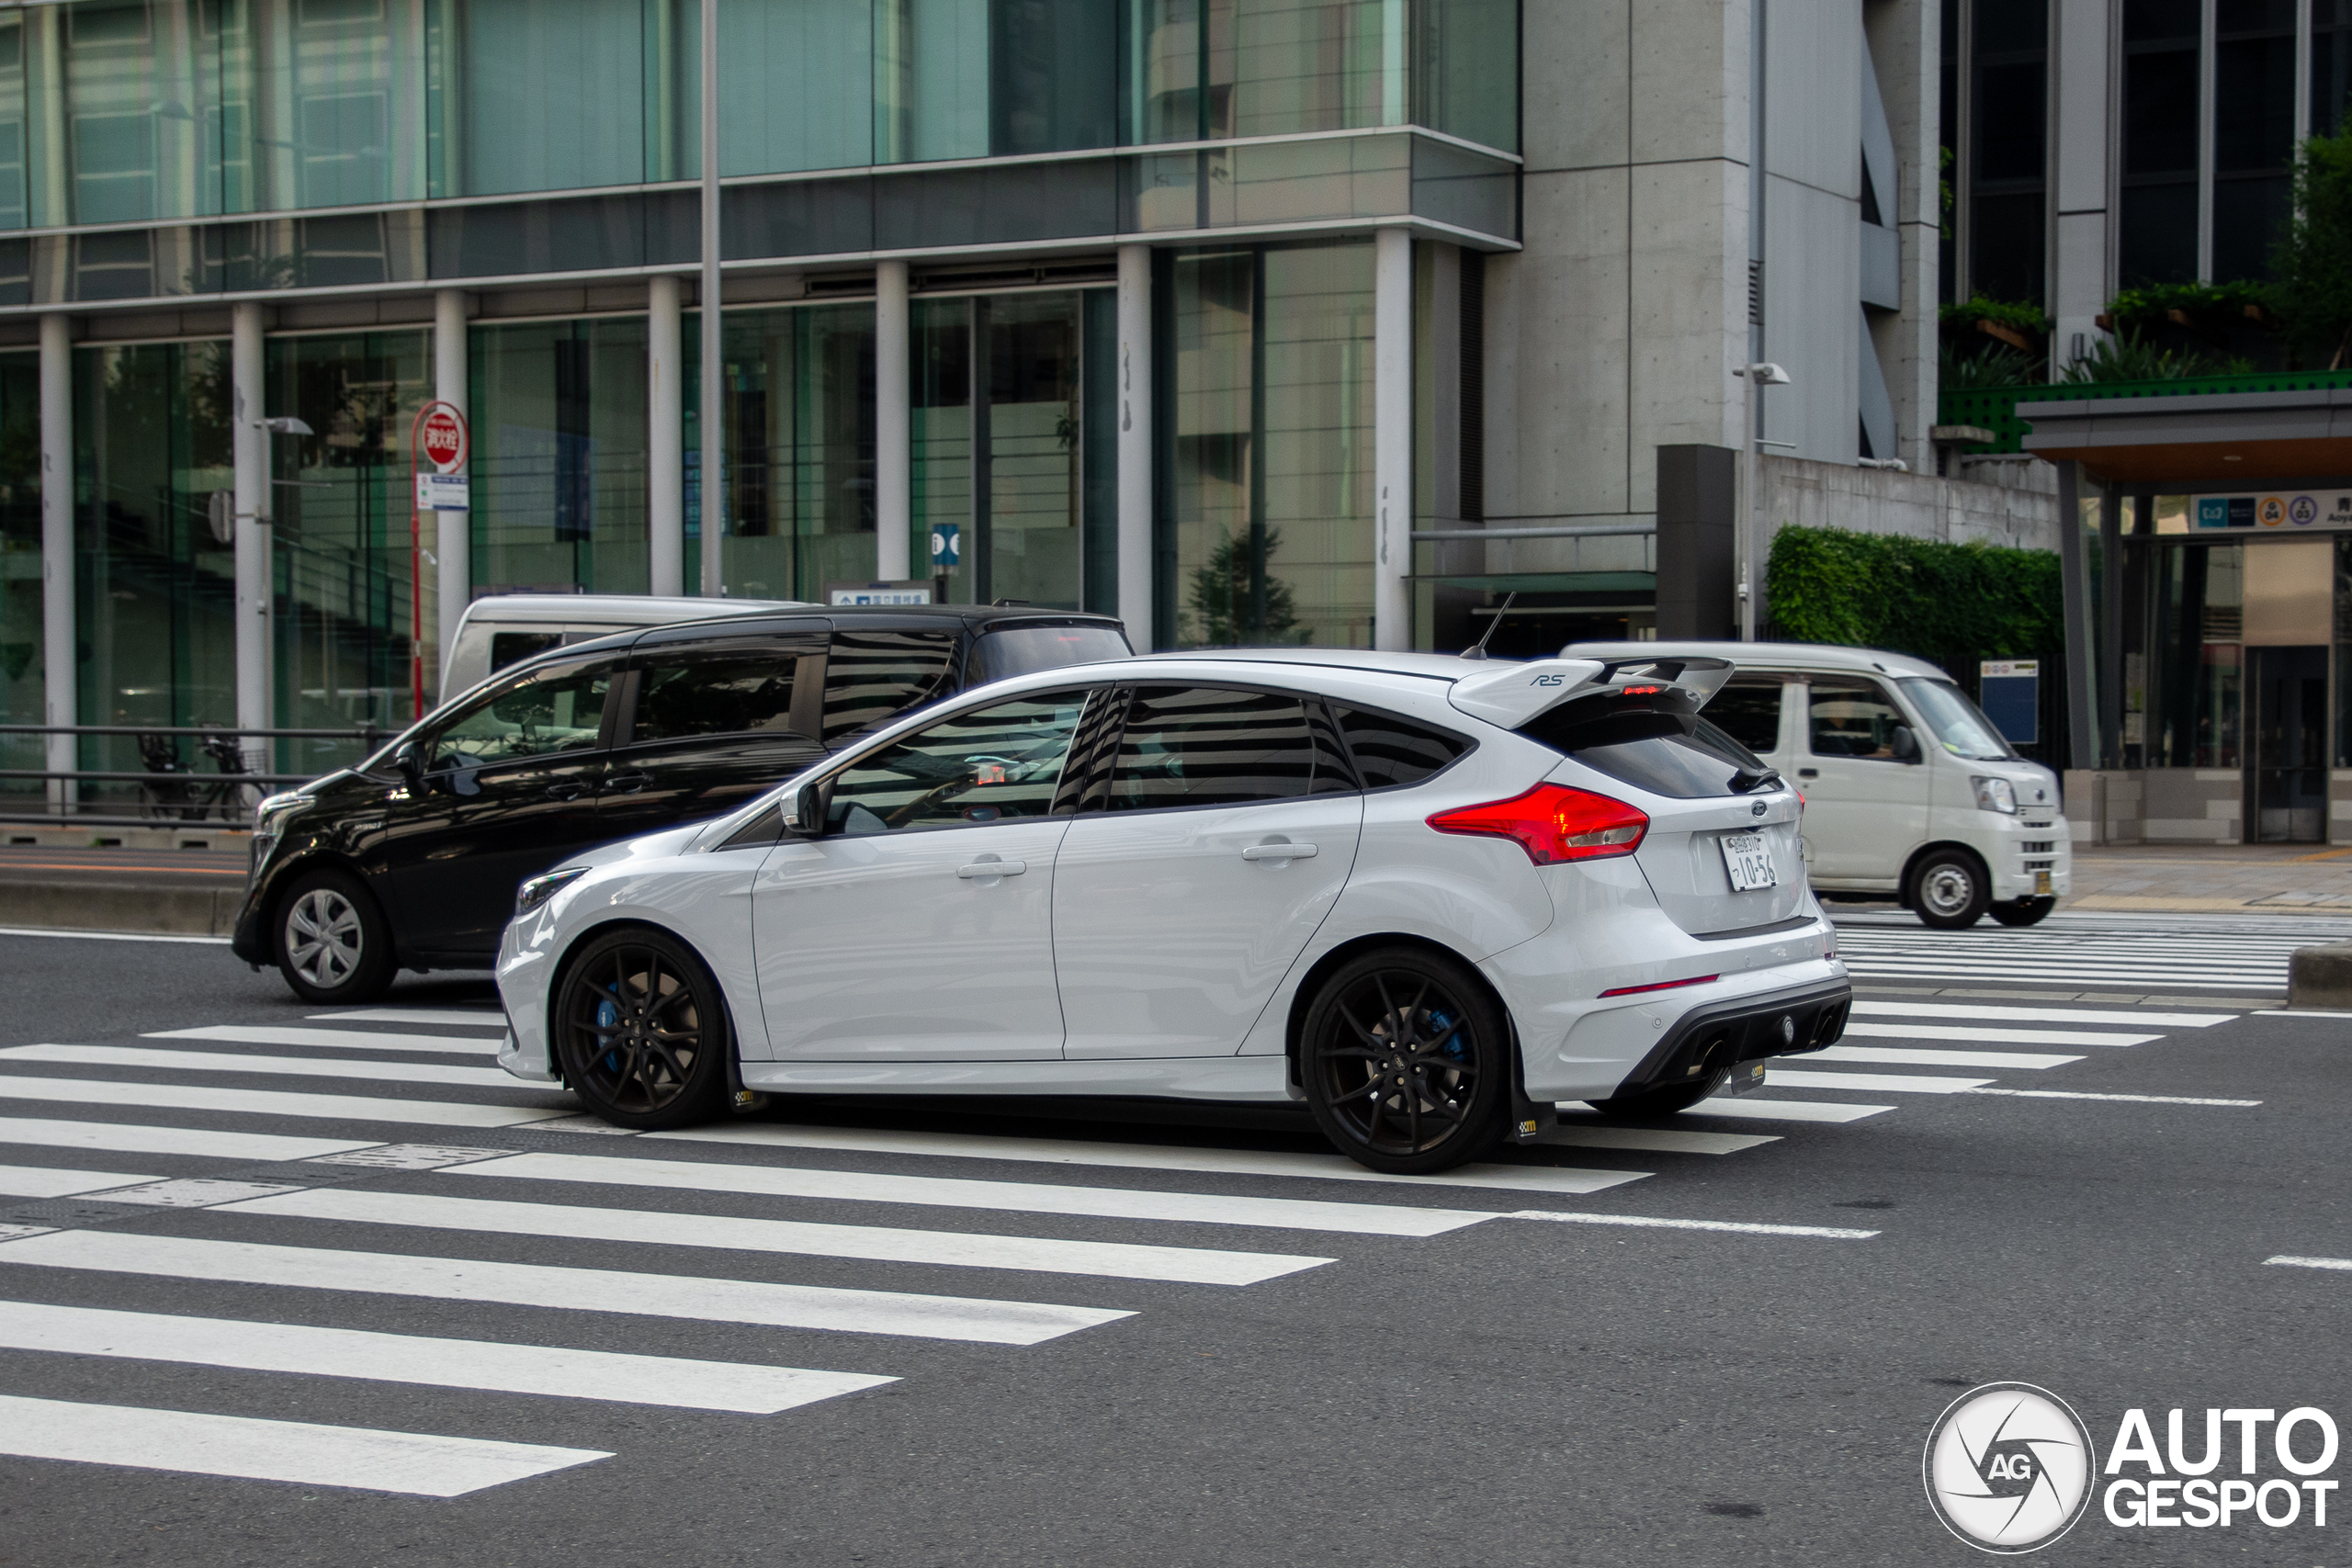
(1018, 650)
(1392, 751)
(1656, 743)
(871, 676)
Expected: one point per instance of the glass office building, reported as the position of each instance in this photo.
(1148, 262)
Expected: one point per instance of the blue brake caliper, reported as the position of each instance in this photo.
(607, 1017)
(1455, 1051)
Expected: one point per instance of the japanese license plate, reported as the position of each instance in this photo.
(1749, 862)
(2042, 883)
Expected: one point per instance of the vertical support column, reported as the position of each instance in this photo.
(893, 457)
(249, 447)
(1134, 444)
(453, 532)
(2081, 739)
(1392, 430)
(2110, 630)
(59, 668)
(711, 413)
(979, 539)
(665, 439)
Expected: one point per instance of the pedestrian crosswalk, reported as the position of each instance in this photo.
(2169, 956)
(283, 1177)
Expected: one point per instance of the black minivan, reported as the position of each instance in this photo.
(410, 859)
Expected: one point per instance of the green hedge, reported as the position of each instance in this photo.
(1953, 604)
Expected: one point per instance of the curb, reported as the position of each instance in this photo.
(161, 909)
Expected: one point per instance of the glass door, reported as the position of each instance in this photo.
(2288, 693)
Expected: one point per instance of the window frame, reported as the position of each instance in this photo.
(807, 691)
(1101, 763)
(606, 723)
(1895, 704)
(1469, 745)
(817, 794)
(1780, 733)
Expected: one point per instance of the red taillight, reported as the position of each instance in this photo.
(1554, 823)
(1661, 985)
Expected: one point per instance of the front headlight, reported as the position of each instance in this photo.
(271, 818)
(1996, 794)
(539, 889)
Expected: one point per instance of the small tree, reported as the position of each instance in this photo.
(1221, 595)
(2313, 262)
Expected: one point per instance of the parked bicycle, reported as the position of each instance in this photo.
(187, 795)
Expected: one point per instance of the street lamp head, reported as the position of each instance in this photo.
(1765, 374)
(286, 424)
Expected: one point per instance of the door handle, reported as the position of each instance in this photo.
(1808, 773)
(565, 791)
(992, 868)
(1279, 851)
(628, 784)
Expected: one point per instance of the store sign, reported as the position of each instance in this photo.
(879, 593)
(2277, 509)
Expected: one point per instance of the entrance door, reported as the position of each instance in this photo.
(2287, 696)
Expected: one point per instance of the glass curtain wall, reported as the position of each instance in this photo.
(156, 574)
(2011, 124)
(799, 450)
(341, 552)
(22, 669)
(2331, 65)
(2156, 240)
(2200, 622)
(1266, 446)
(2254, 134)
(1002, 498)
(559, 420)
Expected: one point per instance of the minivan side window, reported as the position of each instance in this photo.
(1748, 710)
(732, 693)
(871, 676)
(1851, 719)
(998, 763)
(1210, 745)
(555, 710)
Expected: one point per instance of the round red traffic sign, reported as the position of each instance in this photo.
(443, 437)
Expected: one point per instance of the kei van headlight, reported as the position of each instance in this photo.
(1996, 794)
(539, 889)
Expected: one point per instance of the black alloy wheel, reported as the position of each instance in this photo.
(2027, 911)
(1949, 890)
(1404, 1062)
(333, 944)
(641, 1031)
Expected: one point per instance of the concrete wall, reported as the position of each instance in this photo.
(1812, 218)
(1905, 41)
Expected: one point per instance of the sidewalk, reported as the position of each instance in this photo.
(2186, 879)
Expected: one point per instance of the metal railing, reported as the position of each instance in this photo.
(166, 792)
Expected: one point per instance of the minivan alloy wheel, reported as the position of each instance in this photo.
(324, 939)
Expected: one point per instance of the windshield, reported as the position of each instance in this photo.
(1018, 650)
(1957, 722)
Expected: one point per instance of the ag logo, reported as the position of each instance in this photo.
(2009, 1468)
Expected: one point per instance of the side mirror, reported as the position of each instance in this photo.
(409, 764)
(793, 810)
(1904, 743)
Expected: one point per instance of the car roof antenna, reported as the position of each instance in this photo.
(1479, 649)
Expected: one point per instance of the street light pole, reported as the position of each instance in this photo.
(713, 414)
(1756, 376)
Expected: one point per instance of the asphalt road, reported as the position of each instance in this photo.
(1508, 1391)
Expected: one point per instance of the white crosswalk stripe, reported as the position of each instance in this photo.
(480, 1365)
(2165, 956)
(273, 1229)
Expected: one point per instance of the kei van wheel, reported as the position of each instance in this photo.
(641, 1031)
(1405, 1064)
(1949, 890)
(334, 944)
(2023, 911)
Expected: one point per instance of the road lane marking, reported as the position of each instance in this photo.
(963, 1249)
(1872, 1083)
(2284, 1262)
(483, 1365)
(1149, 1156)
(330, 1039)
(703, 1300)
(1664, 1140)
(431, 1017)
(2134, 1099)
(1736, 1227)
(116, 936)
(1996, 1036)
(272, 1102)
(1902, 1056)
(44, 1181)
(945, 1193)
(1755, 1109)
(130, 1138)
(268, 1066)
(415, 1464)
(2041, 1015)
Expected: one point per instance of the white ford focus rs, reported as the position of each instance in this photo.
(1429, 896)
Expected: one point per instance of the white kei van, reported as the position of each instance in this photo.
(1909, 788)
(499, 630)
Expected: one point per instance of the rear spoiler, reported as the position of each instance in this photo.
(1514, 695)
